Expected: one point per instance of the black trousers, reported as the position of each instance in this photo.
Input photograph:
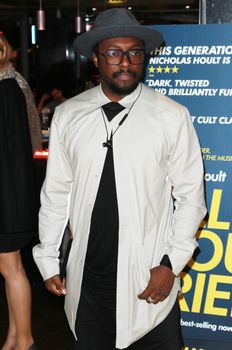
(92, 336)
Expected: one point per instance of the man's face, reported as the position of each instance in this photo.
(118, 80)
(57, 94)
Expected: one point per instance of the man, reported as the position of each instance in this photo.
(119, 154)
(51, 100)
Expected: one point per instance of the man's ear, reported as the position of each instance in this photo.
(95, 60)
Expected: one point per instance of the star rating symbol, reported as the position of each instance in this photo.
(151, 70)
(159, 69)
(175, 69)
(167, 69)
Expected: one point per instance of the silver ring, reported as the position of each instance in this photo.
(149, 300)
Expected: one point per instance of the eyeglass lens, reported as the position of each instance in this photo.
(116, 56)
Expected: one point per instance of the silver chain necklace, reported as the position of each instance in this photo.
(109, 138)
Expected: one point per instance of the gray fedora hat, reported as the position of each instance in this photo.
(116, 23)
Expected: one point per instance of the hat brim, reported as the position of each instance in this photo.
(86, 41)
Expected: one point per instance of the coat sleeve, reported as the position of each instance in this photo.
(186, 176)
(54, 211)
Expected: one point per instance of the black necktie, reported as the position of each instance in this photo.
(102, 249)
(111, 109)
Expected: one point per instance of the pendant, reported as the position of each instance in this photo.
(107, 144)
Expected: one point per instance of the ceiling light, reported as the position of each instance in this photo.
(78, 19)
(58, 13)
(116, 2)
(40, 17)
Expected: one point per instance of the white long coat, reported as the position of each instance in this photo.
(156, 158)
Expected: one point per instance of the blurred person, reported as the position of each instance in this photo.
(50, 100)
(17, 215)
(33, 115)
(125, 168)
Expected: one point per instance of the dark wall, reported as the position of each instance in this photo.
(55, 58)
(218, 11)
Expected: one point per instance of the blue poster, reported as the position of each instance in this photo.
(194, 67)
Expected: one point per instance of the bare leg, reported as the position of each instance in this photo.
(11, 336)
(19, 302)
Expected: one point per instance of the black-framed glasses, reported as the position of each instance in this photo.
(115, 56)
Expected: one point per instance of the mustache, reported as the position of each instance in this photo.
(128, 71)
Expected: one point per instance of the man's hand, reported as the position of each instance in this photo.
(159, 286)
(56, 286)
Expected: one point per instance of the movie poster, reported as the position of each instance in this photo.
(194, 67)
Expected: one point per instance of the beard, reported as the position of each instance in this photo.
(124, 88)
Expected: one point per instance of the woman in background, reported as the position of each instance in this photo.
(17, 214)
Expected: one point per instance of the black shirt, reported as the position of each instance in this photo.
(100, 271)
(102, 251)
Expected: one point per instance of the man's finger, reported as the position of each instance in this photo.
(55, 285)
(145, 293)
